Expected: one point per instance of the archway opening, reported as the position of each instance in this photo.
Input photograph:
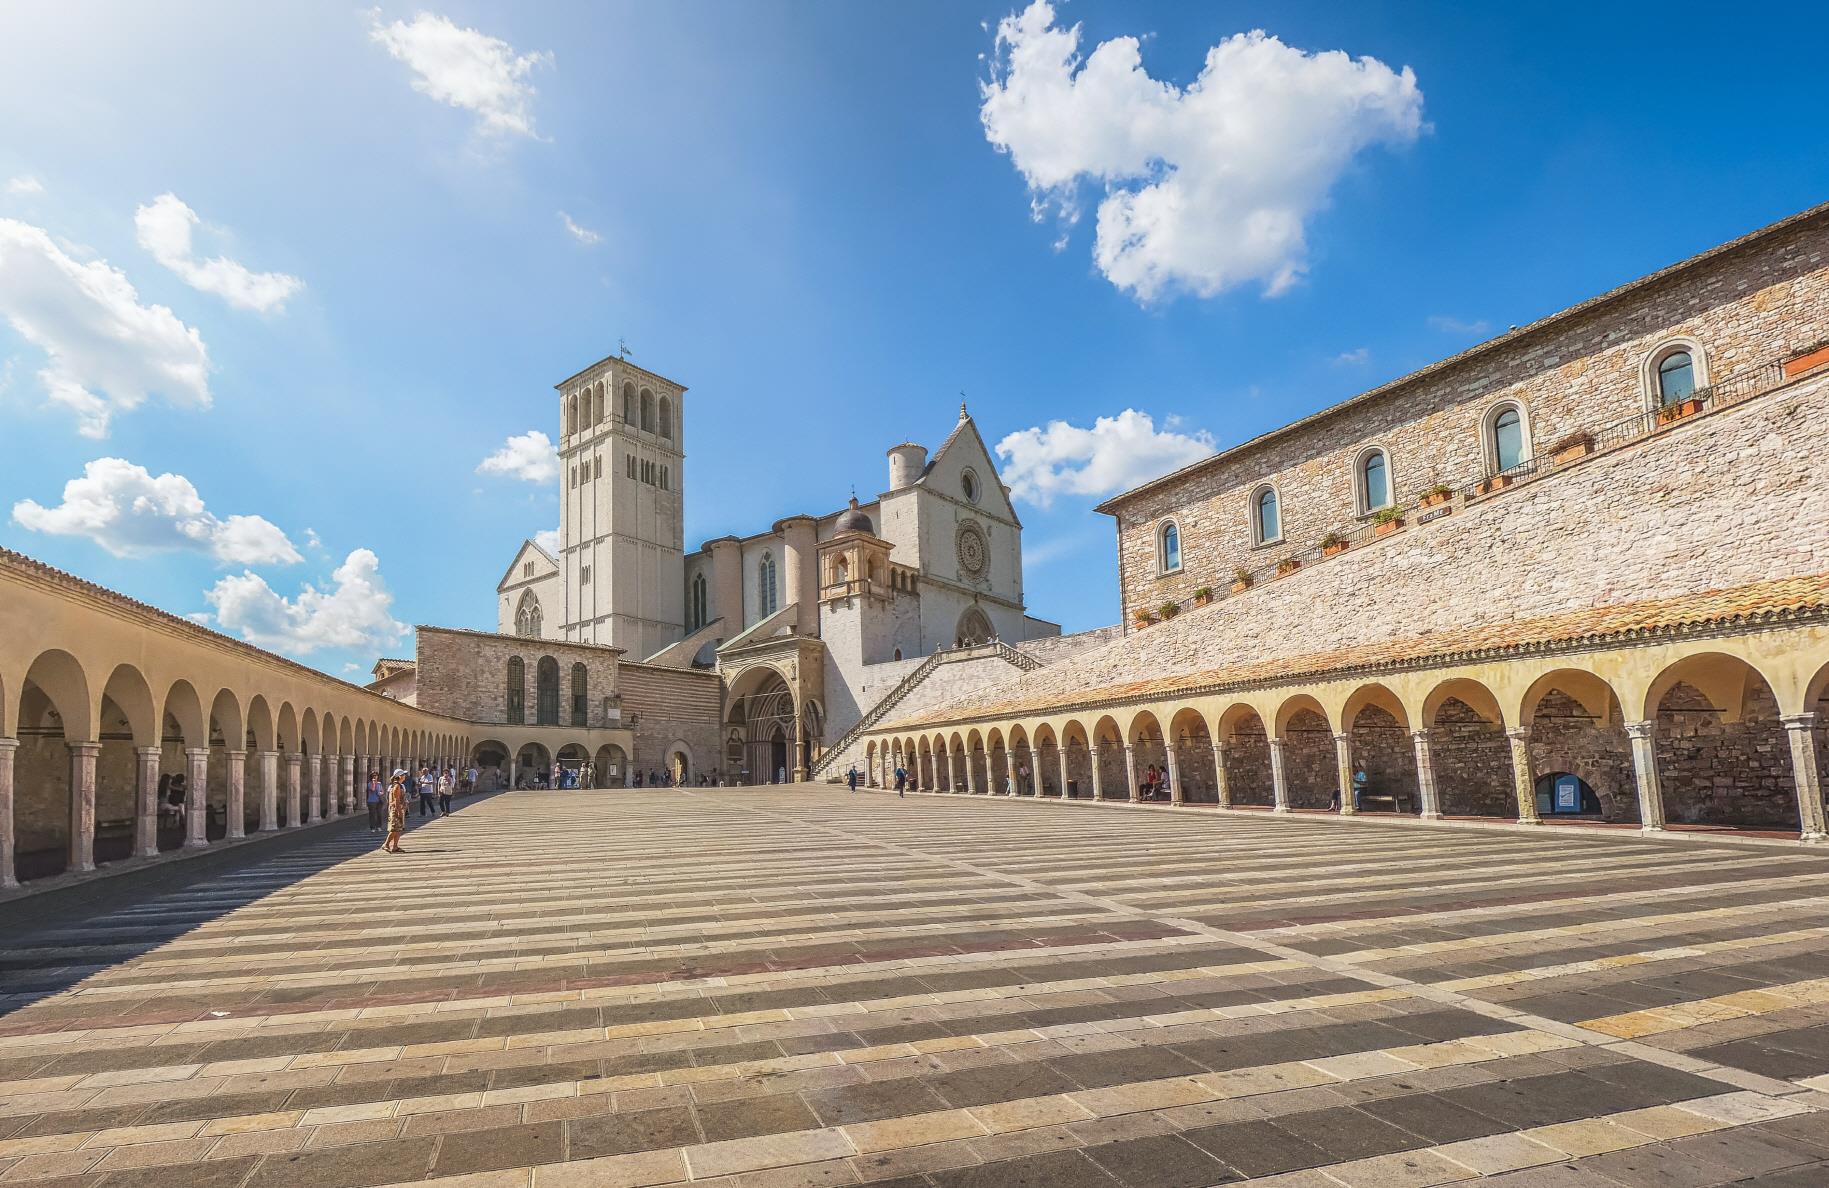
(490, 758)
(1384, 760)
(1246, 746)
(1472, 758)
(1194, 758)
(1723, 757)
(1579, 749)
(1310, 760)
(533, 766)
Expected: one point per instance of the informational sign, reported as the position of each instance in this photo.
(1568, 794)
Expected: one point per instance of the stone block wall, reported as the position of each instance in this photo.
(464, 674)
(673, 706)
(1758, 303)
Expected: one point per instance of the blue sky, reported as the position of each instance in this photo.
(799, 212)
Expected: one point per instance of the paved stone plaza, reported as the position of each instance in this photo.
(801, 987)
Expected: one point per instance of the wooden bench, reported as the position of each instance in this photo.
(1399, 802)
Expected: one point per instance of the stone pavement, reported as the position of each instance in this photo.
(766, 988)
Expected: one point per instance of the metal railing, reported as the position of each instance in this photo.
(1743, 385)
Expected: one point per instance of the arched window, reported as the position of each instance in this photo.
(517, 691)
(766, 604)
(647, 411)
(1266, 520)
(571, 416)
(581, 702)
(1507, 435)
(628, 404)
(1374, 481)
(974, 628)
(546, 692)
(597, 413)
(1168, 548)
(527, 616)
(1676, 378)
(700, 602)
(666, 418)
(968, 482)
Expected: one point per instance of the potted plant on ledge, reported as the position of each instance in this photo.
(1491, 483)
(1333, 544)
(1169, 610)
(1576, 445)
(1143, 619)
(1439, 493)
(1241, 580)
(1203, 596)
(1679, 409)
(1387, 521)
(1288, 565)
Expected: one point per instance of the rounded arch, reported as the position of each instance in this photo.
(1297, 704)
(1244, 739)
(974, 628)
(1191, 743)
(1264, 513)
(628, 403)
(1673, 371)
(1374, 694)
(1471, 693)
(664, 418)
(181, 714)
(1722, 753)
(647, 411)
(1374, 482)
(309, 737)
(131, 696)
(1505, 435)
(1587, 688)
(262, 734)
(60, 678)
(1168, 546)
(1721, 677)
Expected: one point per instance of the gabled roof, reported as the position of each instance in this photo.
(529, 543)
(965, 427)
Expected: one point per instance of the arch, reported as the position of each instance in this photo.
(628, 403)
(1673, 371)
(1722, 755)
(64, 684)
(759, 725)
(597, 399)
(1265, 512)
(1505, 436)
(528, 616)
(767, 589)
(1373, 483)
(647, 411)
(1244, 741)
(1192, 746)
(664, 418)
(533, 766)
(1377, 726)
(1148, 753)
(581, 695)
(698, 602)
(1310, 760)
(132, 697)
(54, 711)
(974, 628)
(1471, 754)
(490, 758)
(1168, 547)
(1577, 727)
(571, 414)
(309, 737)
(1108, 741)
(679, 765)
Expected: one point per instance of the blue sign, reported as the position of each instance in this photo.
(1568, 794)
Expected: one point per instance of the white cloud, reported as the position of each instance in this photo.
(1451, 325)
(105, 351)
(1117, 453)
(1353, 357)
(164, 229)
(528, 456)
(548, 540)
(1205, 187)
(583, 235)
(130, 513)
(465, 68)
(24, 185)
(354, 613)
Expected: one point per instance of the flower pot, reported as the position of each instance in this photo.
(1569, 453)
(1679, 410)
(1334, 550)
(1809, 362)
(1497, 482)
(1140, 624)
(1285, 568)
(1386, 527)
(1202, 599)
(1240, 587)
(1435, 497)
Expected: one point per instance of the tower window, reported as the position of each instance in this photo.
(628, 404)
(584, 575)
(647, 411)
(666, 418)
(766, 598)
(597, 467)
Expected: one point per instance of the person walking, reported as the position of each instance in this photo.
(851, 777)
(901, 781)
(428, 793)
(377, 795)
(396, 811)
(445, 787)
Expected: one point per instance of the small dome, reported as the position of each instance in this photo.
(853, 519)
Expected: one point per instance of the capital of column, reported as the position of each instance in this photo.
(1806, 722)
(84, 748)
(1518, 733)
(1343, 739)
(9, 744)
(1421, 736)
(1276, 744)
(1641, 729)
(148, 752)
(237, 756)
(295, 759)
(198, 752)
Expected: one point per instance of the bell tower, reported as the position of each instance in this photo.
(621, 500)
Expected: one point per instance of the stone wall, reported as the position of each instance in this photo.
(1713, 771)
(1056, 648)
(1721, 499)
(464, 674)
(671, 707)
(1758, 303)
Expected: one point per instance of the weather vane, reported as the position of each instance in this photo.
(622, 347)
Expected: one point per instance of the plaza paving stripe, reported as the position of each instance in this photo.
(761, 988)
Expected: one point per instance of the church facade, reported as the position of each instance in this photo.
(811, 620)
